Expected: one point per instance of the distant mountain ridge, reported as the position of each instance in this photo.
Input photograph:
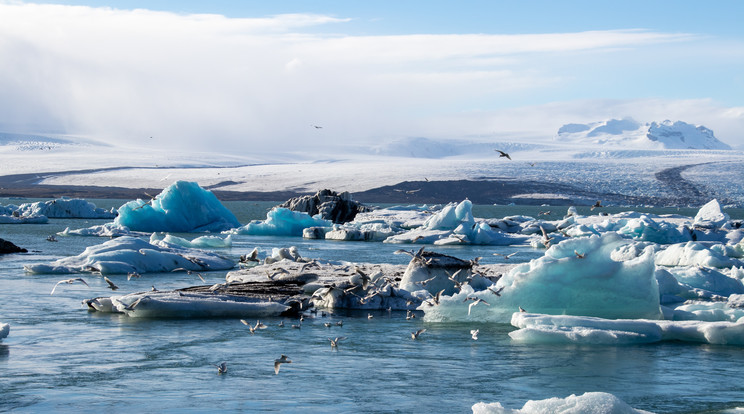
(629, 133)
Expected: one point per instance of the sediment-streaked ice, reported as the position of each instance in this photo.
(188, 305)
(181, 207)
(130, 254)
(587, 403)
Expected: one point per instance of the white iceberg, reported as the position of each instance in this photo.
(587, 403)
(536, 328)
(455, 224)
(4, 330)
(281, 221)
(18, 219)
(201, 242)
(592, 276)
(66, 208)
(710, 216)
(699, 254)
(101, 230)
(182, 207)
(129, 254)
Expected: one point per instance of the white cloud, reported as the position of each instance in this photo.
(208, 80)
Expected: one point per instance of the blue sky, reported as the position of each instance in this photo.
(259, 71)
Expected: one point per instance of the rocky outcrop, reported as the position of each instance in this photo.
(8, 247)
(339, 208)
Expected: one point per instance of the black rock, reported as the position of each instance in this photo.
(338, 208)
(8, 247)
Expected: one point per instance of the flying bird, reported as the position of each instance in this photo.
(278, 363)
(505, 256)
(475, 302)
(579, 255)
(334, 342)
(415, 335)
(496, 292)
(474, 334)
(69, 281)
(111, 284)
(503, 154)
(598, 204)
(253, 329)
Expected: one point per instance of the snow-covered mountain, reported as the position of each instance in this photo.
(628, 133)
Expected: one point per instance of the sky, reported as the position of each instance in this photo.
(250, 76)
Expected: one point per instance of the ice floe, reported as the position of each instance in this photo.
(4, 330)
(66, 208)
(588, 403)
(219, 300)
(281, 221)
(538, 328)
(129, 254)
(181, 207)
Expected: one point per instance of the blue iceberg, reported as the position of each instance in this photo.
(183, 207)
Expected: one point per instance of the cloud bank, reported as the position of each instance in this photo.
(247, 84)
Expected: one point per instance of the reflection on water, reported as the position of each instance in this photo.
(59, 357)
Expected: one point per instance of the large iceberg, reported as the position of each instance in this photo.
(588, 403)
(132, 255)
(605, 276)
(182, 207)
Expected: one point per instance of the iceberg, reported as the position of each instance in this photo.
(183, 207)
(66, 208)
(591, 276)
(710, 216)
(202, 242)
(699, 254)
(455, 224)
(129, 254)
(228, 300)
(18, 219)
(4, 330)
(102, 230)
(536, 328)
(589, 403)
(281, 221)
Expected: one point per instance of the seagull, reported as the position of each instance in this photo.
(278, 363)
(340, 323)
(424, 282)
(415, 335)
(369, 316)
(281, 324)
(522, 310)
(413, 191)
(503, 154)
(327, 324)
(598, 204)
(546, 239)
(131, 275)
(334, 342)
(505, 256)
(475, 302)
(69, 281)
(317, 126)
(111, 284)
(579, 255)
(496, 292)
(253, 329)
(134, 304)
(221, 368)
(474, 334)
(435, 299)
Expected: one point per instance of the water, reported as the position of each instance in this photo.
(59, 357)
